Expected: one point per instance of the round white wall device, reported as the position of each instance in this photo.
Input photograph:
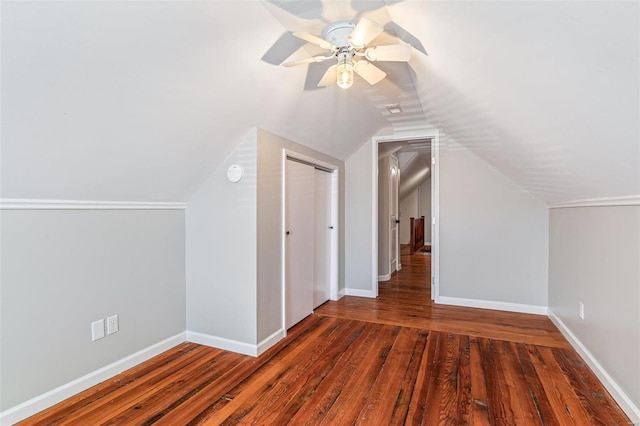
(234, 173)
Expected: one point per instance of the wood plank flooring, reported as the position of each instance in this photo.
(406, 300)
(393, 362)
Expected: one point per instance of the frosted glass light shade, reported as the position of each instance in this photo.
(344, 71)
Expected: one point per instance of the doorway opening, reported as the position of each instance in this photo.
(415, 160)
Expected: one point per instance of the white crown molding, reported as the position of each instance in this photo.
(52, 397)
(34, 204)
(490, 304)
(625, 402)
(629, 200)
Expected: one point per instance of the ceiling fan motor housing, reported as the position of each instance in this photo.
(338, 33)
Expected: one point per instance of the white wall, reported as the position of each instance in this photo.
(408, 209)
(62, 270)
(595, 259)
(425, 208)
(234, 235)
(360, 244)
(493, 234)
(221, 245)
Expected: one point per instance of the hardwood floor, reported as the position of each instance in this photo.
(406, 300)
(396, 360)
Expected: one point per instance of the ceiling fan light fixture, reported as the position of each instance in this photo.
(345, 70)
(345, 40)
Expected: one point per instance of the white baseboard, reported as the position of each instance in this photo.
(234, 345)
(385, 277)
(359, 293)
(222, 343)
(341, 294)
(270, 341)
(627, 405)
(54, 396)
(496, 306)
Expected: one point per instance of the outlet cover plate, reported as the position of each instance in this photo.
(112, 324)
(97, 330)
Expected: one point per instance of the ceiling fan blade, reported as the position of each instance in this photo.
(365, 31)
(315, 71)
(306, 61)
(369, 72)
(286, 46)
(329, 77)
(315, 40)
(391, 52)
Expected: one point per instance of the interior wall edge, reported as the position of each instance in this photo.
(625, 402)
(54, 396)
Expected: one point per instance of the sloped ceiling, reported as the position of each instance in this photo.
(141, 101)
(546, 91)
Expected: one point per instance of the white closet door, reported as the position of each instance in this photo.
(299, 241)
(323, 230)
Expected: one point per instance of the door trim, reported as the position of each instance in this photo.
(335, 237)
(434, 135)
(395, 241)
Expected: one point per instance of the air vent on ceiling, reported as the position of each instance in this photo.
(393, 108)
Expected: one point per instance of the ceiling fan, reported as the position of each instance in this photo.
(348, 43)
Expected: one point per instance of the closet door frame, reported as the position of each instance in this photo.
(335, 197)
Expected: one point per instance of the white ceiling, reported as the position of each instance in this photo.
(548, 92)
(141, 101)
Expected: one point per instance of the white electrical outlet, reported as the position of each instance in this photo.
(112, 324)
(97, 330)
(581, 312)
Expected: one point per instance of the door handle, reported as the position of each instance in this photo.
(331, 227)
(397, 221)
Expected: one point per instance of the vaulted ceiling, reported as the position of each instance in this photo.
(141, 101)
